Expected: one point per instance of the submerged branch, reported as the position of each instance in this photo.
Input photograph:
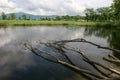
(86, 59)
(61, 48)
(33, 50)
(85, 41)
(112, 61)
(74, 68)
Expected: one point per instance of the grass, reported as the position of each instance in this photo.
(37, 22)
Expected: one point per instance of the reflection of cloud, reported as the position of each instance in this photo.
(5, 37)
(49, 33)
(4, 41)
(77, 34)
(13, 57)
(11, 54)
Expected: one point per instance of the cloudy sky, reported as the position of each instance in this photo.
(51, 7)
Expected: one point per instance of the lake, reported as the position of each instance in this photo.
(17, 63)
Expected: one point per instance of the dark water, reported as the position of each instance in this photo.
(18, 64)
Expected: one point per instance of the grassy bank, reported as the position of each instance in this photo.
(37, 22)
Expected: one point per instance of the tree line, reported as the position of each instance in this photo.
(111, 13)
(12, 16)
(71, 18)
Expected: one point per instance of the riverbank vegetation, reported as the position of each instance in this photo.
(46, 22)
(52, 22)
(105, 16)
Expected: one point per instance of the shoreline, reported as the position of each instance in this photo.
(50, 23)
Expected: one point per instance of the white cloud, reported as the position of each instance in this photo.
(96, 3)
(51, 7)
(6, 4)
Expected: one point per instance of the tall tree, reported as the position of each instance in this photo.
(29, 18)
(3, 16)
(24, 16)
(116, 7)
(19, 18)
(104, 13)
(89, 12)
(12, 16)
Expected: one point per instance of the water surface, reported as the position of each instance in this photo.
(18, 64)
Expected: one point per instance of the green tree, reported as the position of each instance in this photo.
(29, 18)
(104, 13)
(90, 13)
(4, 17)
(58, 18)
(19, 18)
(99, 14)
(116, 7)
(24, 17)
(12, 16)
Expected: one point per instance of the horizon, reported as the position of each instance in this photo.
(51, 7)
(29, 14)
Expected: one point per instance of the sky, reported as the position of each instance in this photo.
(51, 7)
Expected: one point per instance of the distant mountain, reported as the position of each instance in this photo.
(19, 14)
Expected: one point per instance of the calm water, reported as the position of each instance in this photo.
(16, 63)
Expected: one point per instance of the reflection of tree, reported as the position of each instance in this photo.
(112, 34)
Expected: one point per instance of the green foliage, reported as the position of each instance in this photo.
(4, 17)
(90, 14)
(111, 13)
(24, 17)
(116, 7)
(100, 14)
(57, 22)
(104, 14)
(69, 18)
(45, 22)
(12, 16)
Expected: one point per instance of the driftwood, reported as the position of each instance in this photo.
(75, 68)
(85, 41)
(61, 47)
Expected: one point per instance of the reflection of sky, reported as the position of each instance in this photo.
(14, 57)
(5, 37)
